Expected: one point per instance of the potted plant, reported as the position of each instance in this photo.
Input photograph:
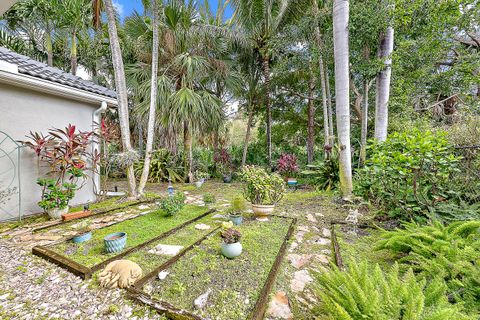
(287, 166)
(65, 153)
(262, 189)
(224, 164)
(115, 242)
(209, 198)
(231, 246)
(55, 198)
(84, 232)
(236, 210)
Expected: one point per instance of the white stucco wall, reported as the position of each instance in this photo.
(24, 110)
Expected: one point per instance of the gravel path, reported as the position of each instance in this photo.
(32, 288)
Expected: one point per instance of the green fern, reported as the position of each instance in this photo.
(366, 292)
(450, 252)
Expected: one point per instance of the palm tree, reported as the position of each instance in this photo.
(342, 93)
(76, 15)
(122, 94)
(153, 99)
(188, 90)
(260, 21)
(39, 16)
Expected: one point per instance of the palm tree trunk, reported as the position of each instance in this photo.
(187, 150)
(247, 134)
(122, 96)
(49, 47)
(383, 86)
(311, 120)
(330, 109)
(364, 130)
(342, 87)
(266, 75)
(318, 39)
(73, 54)
(153, 102)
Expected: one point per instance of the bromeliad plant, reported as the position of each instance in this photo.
(287, 165)
(231, 236)
(261, 187)
(223, 162)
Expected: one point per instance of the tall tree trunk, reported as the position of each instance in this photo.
(153, 101)
(363, 137)
(247, 134)
(122, 95)
(49, 47)
(311, 120)
(318, 40)
(342, 84)
(266, 75)
(73, 54)
(383, 85)
(330, 109)
(187, 150)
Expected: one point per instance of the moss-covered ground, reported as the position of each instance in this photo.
(139, 230)
(235, 284)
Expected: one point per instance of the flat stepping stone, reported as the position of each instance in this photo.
(322, 241)
(143, 207)
(300, 280)
(202, 226)
(262, 219)
(298, 261)
(326, 233)
(166, 249)
(311, 218)
(279, 307)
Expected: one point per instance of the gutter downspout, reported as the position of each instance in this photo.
(96, 116)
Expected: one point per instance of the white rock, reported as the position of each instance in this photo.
(143, 207)
(201, 301)
(202, 226)
(279, 307)
(168, 250)
(162, 275)
(326, 233)
(311, 218)
(300, 280)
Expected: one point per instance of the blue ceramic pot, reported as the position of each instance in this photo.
(231, 250)
(82, 238)
(115, 242)
(237, 220)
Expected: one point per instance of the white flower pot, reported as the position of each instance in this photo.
(263, 210)
(56, 213)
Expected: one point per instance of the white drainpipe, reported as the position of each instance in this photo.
(96, 118)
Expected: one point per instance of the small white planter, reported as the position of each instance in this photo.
(263, 210)
(56, 213)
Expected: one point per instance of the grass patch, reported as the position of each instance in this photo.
(139, 230)
(235, 284)
(29, 220)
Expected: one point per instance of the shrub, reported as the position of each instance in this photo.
(449, 252)
(172, 205)
(408, 174)
(261, 187)
(208, 198)
(366, 292)
(238, 205)
(325, 175)
(54, 195)
(287, 165)
(231, 235)
(223, 161)
(163, 167)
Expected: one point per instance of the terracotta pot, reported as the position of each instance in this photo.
(263, 209)
(56, 213)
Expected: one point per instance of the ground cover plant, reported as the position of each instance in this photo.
(234, 284)
(139, 230)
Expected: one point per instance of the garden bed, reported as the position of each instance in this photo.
(239, 288)
(85, 258)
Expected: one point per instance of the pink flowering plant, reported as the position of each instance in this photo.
(287, 165)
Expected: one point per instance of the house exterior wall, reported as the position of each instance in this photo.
(24, 110)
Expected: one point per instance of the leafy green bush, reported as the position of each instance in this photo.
(450, 252)
(172, 205)
(408, 174)
(209, 198)
(260, 187)
(324, 175)
(366, 292)
(163, 166)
